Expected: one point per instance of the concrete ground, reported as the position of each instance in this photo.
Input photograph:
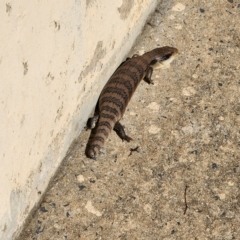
(182, 181)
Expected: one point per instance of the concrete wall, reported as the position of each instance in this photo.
(55, 56)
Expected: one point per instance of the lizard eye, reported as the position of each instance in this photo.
(162, 58)
(166, 57)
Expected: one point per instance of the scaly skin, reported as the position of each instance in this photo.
(117, 93)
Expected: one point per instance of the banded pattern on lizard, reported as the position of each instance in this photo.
(117, 93)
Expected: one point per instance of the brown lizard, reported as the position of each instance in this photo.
(117, 93)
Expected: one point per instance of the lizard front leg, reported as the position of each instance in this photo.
(148, 75)
(118, 128)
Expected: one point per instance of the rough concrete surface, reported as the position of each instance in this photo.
(182, 182)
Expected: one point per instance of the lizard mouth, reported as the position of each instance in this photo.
(164, 61)
(168, 56)
(165, 57)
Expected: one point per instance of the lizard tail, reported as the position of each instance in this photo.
(99, 134)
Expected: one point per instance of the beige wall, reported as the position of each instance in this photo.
(54, 58)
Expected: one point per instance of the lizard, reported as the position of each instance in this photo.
(117, 93)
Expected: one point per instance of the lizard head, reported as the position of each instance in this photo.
(164, 56)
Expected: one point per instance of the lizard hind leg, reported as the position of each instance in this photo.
(91, 122)
(119, 129)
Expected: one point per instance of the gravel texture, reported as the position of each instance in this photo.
(180, 177)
